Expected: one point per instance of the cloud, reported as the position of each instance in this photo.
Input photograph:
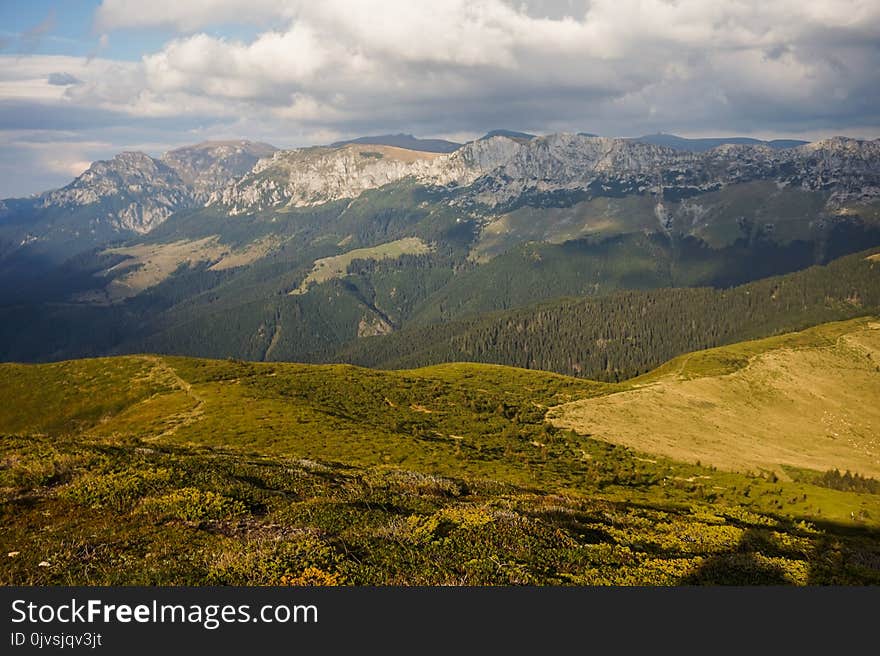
(605, 64)
(33, 161)
(188, 15)
(612, 66)
(63, 79)
(317, 71)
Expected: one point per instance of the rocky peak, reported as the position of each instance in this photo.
(473, 160)
(849, 168)
(209, 166)
(131, 192)
(602, 153)
(134, 192)
(500, 170)
(311, 176)
(571, 162)
(837, 144)
(126, 173)
(842, 152)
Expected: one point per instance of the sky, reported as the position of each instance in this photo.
(82, 80)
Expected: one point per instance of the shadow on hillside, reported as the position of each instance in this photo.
(747, 564)
(842, 555)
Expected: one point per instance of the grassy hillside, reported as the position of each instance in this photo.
(209, 284)
(150, 469)
(807, 400)
(627, 333)
(329, 268)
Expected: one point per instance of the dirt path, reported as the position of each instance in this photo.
(162, 371)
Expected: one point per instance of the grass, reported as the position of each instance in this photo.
(169, 470)
(597, 217)
(147, 265)
(804, 399)
(336, 266)
(131, 513)
(712, 216)
(715, 216)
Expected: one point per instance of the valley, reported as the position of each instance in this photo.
(559, 360)
(408, 238)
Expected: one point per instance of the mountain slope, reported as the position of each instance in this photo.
(503, 172)
(209, 166)
(805, 400)
(313, 176)
(627, 333)
(130, 195)
(407, 141)
(133, 193)
(157, 470)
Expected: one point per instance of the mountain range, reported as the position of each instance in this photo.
(699, 145)
(133, 193)
(305, 252)
(561, 359)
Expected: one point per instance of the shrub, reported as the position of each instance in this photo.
(295, 560)
(32, 471)
(193, 505)
(118, 490)
(312, 576)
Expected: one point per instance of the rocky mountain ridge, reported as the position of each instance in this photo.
(312, 176)
(500, 171)
(133, 193)
(850, 169)
(211, 165)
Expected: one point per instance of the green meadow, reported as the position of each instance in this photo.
(169, 470)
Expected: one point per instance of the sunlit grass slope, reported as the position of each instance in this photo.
(149, 469)
(809, 399)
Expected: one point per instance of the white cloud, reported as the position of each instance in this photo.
(186, 15)
(448, 63)
(322, 70)
(356, 60)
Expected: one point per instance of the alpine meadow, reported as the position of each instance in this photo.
(480, 356)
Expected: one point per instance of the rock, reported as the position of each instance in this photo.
(210, 166)
(500, 171)
(134, 193)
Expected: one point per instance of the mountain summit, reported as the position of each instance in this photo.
(130, 194)
(401, 140)
(134, 193)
